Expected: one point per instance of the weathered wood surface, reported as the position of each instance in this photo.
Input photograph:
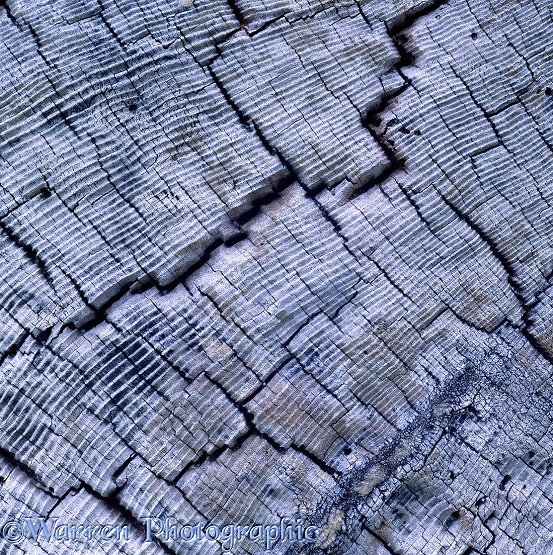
(279, 259)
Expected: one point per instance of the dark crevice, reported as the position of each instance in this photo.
(273, 150)
(108, 25)
(265, 25)
(30, 253)
(213, 455)
(412, 16)
(249, 124)
(268, 378)
(270, 197)
(10, 457)
(15, 347)
(391, 169)
(38, 43)
(336, 226)
(202, 260)
(4, 4)
(326, 468)
(503, 260)
(510, 272)
(112, 501)
(236, 238)
(237, 12)
(99, 314)
(372, 121)
(427, 419)
(203, 456)
(122, 467)
(381, 540)
(133, 288)
(395, 164)
(244, 120)
(252, 429)
(257, 204)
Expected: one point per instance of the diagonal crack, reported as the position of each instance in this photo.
(371, 121)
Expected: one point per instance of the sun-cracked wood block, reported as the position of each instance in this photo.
(21, 496)
(88, 197)
(258, 13)
(228, 489)
(294, 409)
(481, 134)
(290, 80)
(484, 476)
(267, 260)
(96, 411)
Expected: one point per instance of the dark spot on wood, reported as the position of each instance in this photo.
(504, 482)
(452, 519)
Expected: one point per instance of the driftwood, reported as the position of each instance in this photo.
(283, 260)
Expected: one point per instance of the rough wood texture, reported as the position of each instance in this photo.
(278, 259)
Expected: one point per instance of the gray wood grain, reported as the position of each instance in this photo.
(265, 260)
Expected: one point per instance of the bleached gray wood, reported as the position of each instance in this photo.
(278, 259)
